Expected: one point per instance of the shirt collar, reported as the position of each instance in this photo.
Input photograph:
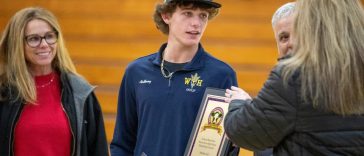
(197, 62)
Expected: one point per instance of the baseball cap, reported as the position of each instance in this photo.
(208, 2)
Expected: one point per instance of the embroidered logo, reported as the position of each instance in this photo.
(145, 82)
(193, 81)
(215, 118)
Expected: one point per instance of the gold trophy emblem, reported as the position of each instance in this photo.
(215, 118)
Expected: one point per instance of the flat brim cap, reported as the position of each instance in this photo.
(208, 2)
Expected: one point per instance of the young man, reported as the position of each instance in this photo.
(161, 93)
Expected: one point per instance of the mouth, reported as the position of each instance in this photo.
(289, 52)
(193, 32)
(46, 53)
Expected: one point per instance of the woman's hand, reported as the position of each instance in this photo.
(236, 93)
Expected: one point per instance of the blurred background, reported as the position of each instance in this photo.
(103, 36)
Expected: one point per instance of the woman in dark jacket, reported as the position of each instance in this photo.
(312, 102)
(46, 108)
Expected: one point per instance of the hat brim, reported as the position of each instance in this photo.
(210, 3)
(213, 4)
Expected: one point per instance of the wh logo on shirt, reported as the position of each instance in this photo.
(193, 81)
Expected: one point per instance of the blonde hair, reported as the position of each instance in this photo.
(14, 73)
(329, 54)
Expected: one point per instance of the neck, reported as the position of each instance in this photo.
(177, 54)
(41, 71)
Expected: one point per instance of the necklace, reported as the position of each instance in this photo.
(162, 69)
(46, 84)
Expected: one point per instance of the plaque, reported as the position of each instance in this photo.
(208, 136)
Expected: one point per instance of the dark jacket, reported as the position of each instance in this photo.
(82, 109)
(279, 118)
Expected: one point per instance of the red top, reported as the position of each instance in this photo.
(43, 129)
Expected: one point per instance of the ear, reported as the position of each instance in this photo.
(166, 17)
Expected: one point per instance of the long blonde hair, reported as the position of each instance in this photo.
(14, 72)
(329, 54)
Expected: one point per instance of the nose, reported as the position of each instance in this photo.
(196, 21)
(43, 42)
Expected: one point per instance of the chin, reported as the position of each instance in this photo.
(44, 63)
(192, 43)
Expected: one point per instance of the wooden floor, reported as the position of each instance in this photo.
(104, 36)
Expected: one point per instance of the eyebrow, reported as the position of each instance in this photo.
(191, 9)
(283, 33)
(40, 35)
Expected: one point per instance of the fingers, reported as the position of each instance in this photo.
(236, 93)
(228, 95)
(228, 92)
(227, 100)
(236, 89)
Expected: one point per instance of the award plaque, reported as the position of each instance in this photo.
(208, 136)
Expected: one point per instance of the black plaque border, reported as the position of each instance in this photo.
(209, 94)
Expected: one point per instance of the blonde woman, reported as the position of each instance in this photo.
(313, 102)
(45, 107)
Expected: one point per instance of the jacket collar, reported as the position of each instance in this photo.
(79, 86)
(76, 89)
(197, 62)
